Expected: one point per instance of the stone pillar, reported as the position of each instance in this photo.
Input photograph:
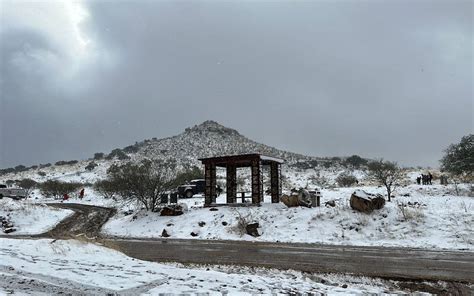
(275, 182)
(257, 194)
(210, 178)
(231, 183)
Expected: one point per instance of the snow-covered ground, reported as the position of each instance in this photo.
(434, 218)
(31, 218)
(91, 197)
(42, 267)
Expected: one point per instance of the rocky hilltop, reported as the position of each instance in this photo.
(205, 140)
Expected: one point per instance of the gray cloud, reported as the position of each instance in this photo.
(391, 79)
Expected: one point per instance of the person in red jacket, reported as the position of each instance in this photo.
(81, 193)
(65, 196)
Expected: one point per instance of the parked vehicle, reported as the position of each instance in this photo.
(194, 187)
(15, 193)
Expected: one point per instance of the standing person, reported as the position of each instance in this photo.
(424, 179)
(418, 180)
(65, 196)
(81, 194)
(430, 178)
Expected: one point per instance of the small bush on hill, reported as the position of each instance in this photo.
(91, 166)
(64, 162)
(7, 171)
(117, 153)
(346, 179)
(20, 168)
(98, 155)
(131, 149)
(355, 161)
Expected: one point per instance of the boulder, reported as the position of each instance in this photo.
(330, 203)
(9, 230)
(290, 200)
(171, 211)
(295, 201)
(252, 229)
(366, 202)
(165, 233)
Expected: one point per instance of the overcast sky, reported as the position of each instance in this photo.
(390, 79)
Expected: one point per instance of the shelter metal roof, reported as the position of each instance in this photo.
(241, 160)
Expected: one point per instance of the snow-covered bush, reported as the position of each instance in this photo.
(346, 179)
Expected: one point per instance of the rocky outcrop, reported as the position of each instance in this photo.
(366, 202)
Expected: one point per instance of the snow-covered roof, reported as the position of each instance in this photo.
(269, 158)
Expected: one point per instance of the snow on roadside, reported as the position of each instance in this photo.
(31, 218)
(95, 266)
(434, 219)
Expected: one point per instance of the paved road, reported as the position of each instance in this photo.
(393, 263)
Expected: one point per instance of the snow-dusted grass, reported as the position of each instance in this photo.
(428, 218)
(31, 218)
(91, 265)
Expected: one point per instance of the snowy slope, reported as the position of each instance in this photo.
(436, 219)
(31, 218)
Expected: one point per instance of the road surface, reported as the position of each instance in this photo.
(393, 263)
(385, 262)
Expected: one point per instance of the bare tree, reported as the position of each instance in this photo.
(28, 185)
(106, 188)
(144, 182)
(386, 173)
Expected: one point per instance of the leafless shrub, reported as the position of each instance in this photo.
(145, 182)
(242, 221)
(56, 189)
(410, 214)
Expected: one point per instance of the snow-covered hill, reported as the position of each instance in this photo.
(204, 140)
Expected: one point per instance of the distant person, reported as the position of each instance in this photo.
(418, 180)
(430, 178)
(81, 194)
(65, 196)
(425, 179)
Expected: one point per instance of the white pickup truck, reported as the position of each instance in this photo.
(15, 193)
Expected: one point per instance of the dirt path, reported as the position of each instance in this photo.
(87, 220)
